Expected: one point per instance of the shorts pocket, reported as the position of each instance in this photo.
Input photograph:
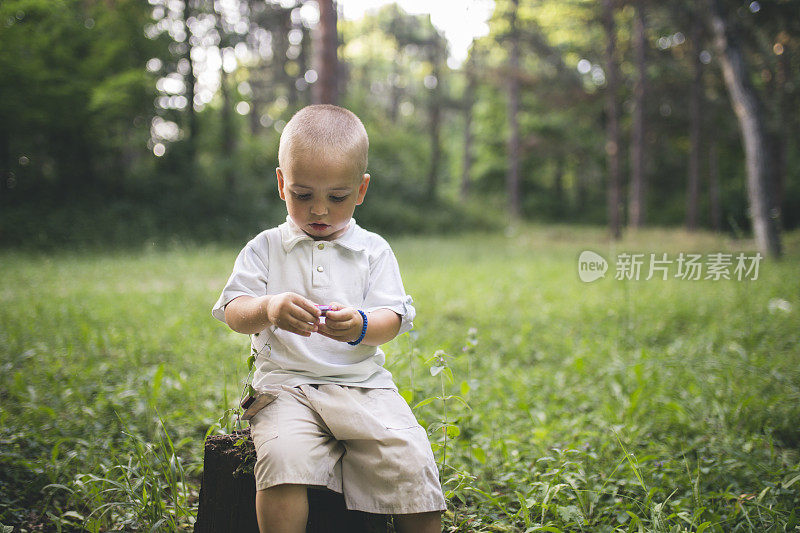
(263, 441)
(264, 424)
(262, 435)
(393, 410)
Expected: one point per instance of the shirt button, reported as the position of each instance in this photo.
(321, 246)
(320, 269)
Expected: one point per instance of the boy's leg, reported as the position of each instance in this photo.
(388, 466)
(419, 522)
(282, 509)
(294, 449)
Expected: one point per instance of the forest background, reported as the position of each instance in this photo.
(129, 122)
(138, 146)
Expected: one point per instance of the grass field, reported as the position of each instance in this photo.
(660, 405)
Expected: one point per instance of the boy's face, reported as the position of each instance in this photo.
(321, 194)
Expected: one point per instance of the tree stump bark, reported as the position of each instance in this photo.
(228, 492)
(228, 488)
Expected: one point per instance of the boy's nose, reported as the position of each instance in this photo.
(318, 209)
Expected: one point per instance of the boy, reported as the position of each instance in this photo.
(337, 419)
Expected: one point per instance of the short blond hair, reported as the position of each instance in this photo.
(325, 130)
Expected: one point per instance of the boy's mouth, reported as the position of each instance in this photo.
(319, 226)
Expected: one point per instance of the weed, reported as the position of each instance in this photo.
(146, 491)
(698, 379)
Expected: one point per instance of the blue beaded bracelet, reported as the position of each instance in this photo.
(363, 329)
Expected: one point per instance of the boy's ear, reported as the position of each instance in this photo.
(362, 189)
(279, 173)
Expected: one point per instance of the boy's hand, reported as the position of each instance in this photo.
(293, 313)
(341, 324)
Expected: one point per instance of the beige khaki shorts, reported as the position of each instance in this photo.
(363, 443)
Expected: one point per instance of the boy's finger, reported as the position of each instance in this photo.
(302, 314)
(300, 324)
(333, 328)
(308, 306)
(337, 310)
(339, 327)
(295, 330)
(335, 333)
(327, 335)
(324, 330)
(339, 314)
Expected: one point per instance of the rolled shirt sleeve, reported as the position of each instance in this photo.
(386, 290)
(249, 277)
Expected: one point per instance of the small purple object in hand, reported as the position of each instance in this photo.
(324, 309)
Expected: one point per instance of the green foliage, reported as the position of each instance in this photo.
(114, 96)
(609, 406)
(73, 84)
(145, 488)
(82, 95)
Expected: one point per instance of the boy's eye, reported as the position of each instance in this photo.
(338, 198)
(302, 196)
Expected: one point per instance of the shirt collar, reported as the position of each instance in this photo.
(291, 234)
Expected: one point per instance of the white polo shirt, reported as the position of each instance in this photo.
(358, 270)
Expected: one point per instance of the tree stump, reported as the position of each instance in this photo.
(228, 492)
(228, 488)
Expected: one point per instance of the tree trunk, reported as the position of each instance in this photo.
(436, 149)
(748, 109)
(325, 90)
(468, 103)
(581, 182)
(782, 73)
(636, 205)
(191, 81)
(343, 68)
(558, 185)
(228, 487)
(255, 76)
(228, 493)
(435, 119)
(228, 134)
(713, 185)
(7, 180)
(612, 122)
(512, 178)
(254, 118)
(228, 140)
(305, 96)
(394, 102)
(695, 130)
(280, 45)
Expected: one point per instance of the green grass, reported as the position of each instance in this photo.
(609, 406)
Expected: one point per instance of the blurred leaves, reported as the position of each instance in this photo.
(80, 114)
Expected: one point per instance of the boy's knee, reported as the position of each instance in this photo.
(430, 522)
(284, 492)
(282, 508)
(282, 500)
